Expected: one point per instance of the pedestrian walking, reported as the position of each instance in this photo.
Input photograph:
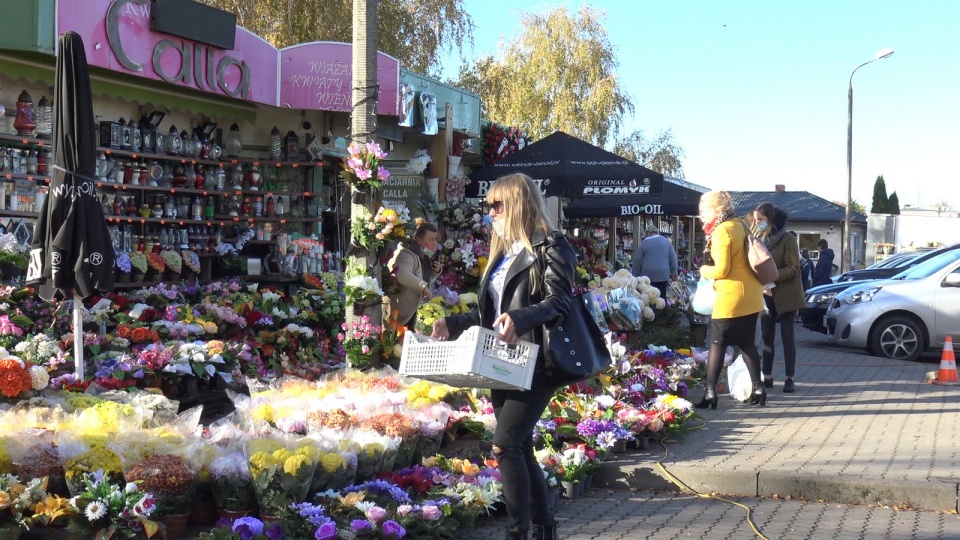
(806, 270)
(739, 294)
(784, 297)
(519, 294)
(656, 259)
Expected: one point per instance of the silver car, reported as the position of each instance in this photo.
(902, 317)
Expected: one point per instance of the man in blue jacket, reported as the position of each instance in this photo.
(824, 268)
(656, 259)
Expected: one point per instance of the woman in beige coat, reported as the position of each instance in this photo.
(785, 297)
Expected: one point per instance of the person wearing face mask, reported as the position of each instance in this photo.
(527, 284)
(413, 269)
(784, 297)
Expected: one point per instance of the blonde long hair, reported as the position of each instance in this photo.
(524, 212)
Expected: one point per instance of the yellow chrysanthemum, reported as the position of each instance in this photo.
(293, 464)
(372, 449)
(310, 451)
(332, 462)
(262, 412)
(260, 461)
(437, 393)
(281, 455)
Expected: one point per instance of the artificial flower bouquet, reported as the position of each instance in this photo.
(361, 289)
(282, 470)
(172, 261)
(370, 509)
(360, 341)
(191, 260)
(362, 168)
(107, 510)
(123, 263)
(155, 262)
(433, 423)
(251, 528)
(164, 465)
(138, 261)
(573, 464)
(418, 162)
(372, 231)
(428, 313)
(28, 504)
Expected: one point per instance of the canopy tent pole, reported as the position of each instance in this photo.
(78, 334)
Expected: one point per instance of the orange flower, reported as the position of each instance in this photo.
(140, 334)
(267, 349)
(123, 331)
(13, 378)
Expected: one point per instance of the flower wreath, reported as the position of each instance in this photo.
(499, 142)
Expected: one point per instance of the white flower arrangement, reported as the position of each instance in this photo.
(418, 162)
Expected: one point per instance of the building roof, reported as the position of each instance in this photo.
(802, 206)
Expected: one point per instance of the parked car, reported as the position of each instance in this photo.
(902, 317)
(820, 297)
(897, 263)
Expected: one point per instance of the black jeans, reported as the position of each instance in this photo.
(768, 332)
(662, 286)
(524, 487)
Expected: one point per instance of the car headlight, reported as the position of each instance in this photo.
(864, 295)
(821, 298)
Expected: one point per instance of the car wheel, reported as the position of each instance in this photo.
(898, 338)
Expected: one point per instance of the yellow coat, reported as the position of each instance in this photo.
(739, 292)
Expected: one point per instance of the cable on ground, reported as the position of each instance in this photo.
(687, 489)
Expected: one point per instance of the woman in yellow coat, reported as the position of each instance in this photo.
(739, 294)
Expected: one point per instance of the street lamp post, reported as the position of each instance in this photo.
(847, 260)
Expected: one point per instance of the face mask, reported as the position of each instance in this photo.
(762, 226)
(427, 251)
(498, 227)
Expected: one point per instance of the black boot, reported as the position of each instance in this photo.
(541, 532)
(759, 396)
(709, 399)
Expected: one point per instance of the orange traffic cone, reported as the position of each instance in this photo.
(948, 365)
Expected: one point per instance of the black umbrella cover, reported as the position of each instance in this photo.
(72, 250)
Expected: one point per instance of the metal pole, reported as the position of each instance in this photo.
(78, 335)
(846, 262)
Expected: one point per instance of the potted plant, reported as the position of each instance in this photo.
(124, 268)
(156, 266)
(173, 264)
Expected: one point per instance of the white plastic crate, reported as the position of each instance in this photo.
(477, 359)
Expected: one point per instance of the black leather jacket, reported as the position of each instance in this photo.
(529, 307)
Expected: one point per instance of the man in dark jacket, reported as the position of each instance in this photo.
(821, 274)
(806, 269)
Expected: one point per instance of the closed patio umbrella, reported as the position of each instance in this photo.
(72, 254)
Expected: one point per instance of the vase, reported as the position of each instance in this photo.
(553, 494)
(571, 490)
(433, 188)
(189, 386)
(123, 277)
(361, 196)
(453, 165)
(176, 524)
(640, 442)
(172, 277)
(620, 446)
(152, 276)
(587, 483)
(137, 276)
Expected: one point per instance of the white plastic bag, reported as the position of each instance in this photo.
(704, 298)
(738, 380)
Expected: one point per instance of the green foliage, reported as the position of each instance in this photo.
(661, 153)
(880, 200)
(893, 204)
(666, 329)
(415, 32)
(559, 74)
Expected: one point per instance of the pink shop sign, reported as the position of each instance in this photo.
(319, 75)
(117, 36)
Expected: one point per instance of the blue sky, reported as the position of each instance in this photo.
(756, 91)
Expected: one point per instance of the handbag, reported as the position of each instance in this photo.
(575, 348)
(759, 257)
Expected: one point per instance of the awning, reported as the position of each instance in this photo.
(676, 200)
(108, 84)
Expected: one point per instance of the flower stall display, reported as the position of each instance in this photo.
(500, 141)
(124, 268)
(282, 469)
(83, 453)
(28, 504)
(106, 509)
(362, 289)
(362, 167)
(172, 261)
(191, 261)
(232, 484)
(33, 453)
(418, 162)
(456, 187)
(138, 261)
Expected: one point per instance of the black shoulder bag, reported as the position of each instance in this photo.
(574, 346)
